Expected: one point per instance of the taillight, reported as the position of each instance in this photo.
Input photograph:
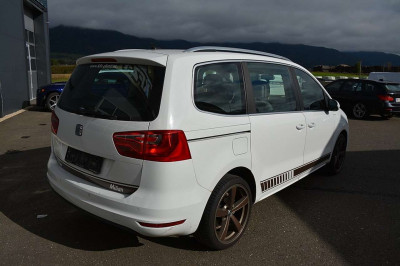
(54, 123)
(157, 145)
(386, 98)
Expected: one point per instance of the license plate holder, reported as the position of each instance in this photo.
(84, 160)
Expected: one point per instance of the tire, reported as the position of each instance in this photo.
(224, 220)
(51, 101)
(338, 155)
(360, 111)
(387, 116)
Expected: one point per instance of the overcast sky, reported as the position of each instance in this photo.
(346, 25)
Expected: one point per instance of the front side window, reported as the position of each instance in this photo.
(272, 88)
(114, 91)
(218, 88)
(334, 86)
(312, 94)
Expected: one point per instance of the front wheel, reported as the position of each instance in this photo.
(338, 155)
(227, 213)
(360, 111)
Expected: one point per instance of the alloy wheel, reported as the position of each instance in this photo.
(232, 214)
(359, 110)
(53, 101)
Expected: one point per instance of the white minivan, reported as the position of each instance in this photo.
(385, 76)
(180, 142)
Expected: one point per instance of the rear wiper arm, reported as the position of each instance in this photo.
(93, 113)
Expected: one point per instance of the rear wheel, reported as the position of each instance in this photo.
(227, 213)
(338, 155)
(360, 111)
(387, 116)
(51, 100)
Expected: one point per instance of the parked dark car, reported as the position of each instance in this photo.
(362, 98)
(47, 96)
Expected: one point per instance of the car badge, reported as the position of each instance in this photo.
(78, 130)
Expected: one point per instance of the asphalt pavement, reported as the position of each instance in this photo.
(351, 218)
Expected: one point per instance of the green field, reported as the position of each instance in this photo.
(334, 74)
(59, 77)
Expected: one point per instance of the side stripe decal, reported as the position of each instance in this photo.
(277, 180)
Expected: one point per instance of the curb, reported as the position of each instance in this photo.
(11, 115)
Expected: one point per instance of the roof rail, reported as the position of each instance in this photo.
(232, 50)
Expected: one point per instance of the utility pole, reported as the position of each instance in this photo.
(358, 66)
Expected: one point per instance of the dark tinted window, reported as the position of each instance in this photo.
(32, 51)
(393, 87)
(33, 64)
(370, 88)
(351, 86)
(272, 88)
(312, 93)
(218, 88)
(334, 86)
(114, 91)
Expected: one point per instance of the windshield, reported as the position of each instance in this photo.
(114, 91)
(393, 87)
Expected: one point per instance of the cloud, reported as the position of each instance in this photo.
(357, 25)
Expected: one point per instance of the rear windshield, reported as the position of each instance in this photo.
(393, 87)
(114, 91)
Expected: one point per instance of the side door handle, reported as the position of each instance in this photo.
(300, 126)
(311, 125)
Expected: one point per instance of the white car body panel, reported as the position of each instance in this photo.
(319, 126)
(277, 145)
(268, 146)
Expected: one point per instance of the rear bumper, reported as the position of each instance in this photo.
(151, 203)
(395, 109)
(391, 108)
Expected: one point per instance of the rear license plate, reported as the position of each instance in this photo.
(397, 100)
(84, 160)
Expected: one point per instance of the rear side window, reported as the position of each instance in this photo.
(334, 86)
(218, 88)
(114, 91)
(272, 88)
(372, 89)
(312, 94)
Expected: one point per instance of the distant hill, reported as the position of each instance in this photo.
(73, 42)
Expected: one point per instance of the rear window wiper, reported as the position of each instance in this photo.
(94, 113)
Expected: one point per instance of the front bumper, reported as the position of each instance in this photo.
(149, 204)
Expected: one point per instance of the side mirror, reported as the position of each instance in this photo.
(333, 105)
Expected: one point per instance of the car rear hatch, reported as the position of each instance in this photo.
(104, 97)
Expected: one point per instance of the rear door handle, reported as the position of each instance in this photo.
(300, 126)
(311, 125)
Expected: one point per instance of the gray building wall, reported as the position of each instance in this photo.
(42, 49)
(13, 69)
(14, 83)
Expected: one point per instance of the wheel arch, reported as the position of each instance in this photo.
(53, 91)
(346, 135)
(248, 176)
